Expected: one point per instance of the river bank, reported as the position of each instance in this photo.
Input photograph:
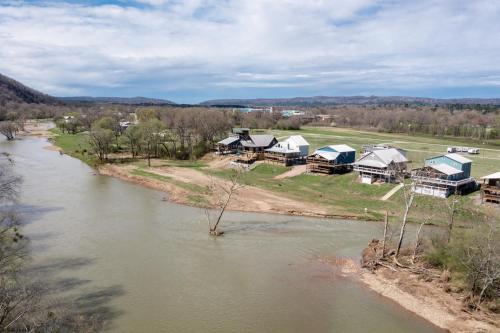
(431, 300)
(191, 187)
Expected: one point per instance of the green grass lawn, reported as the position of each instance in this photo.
(419, 147)
(75, 145)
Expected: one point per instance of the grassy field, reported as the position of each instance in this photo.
(418, 147)
(75, 145)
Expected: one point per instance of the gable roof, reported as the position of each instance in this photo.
(229, 140)
(328, 155)
(390, 155)
(446, 169)
(298, 140)
(459, 158)
(495, 175)
(340, 148)
(278, 148)
(381, 158)
(259, 140)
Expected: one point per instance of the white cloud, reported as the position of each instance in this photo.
(172, 45)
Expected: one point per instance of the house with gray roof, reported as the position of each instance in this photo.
(386, 165)
(231, 144)
(253, 148)
(258, 142)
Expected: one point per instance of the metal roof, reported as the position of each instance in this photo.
(328, 155)
(281, 149)
(229, 140)
(446, 169)
(371, 163)
(459, 158)
(381, 158)
(495, 175)
(259, 140)
(341, 148)
(390, 155)
(298, 140)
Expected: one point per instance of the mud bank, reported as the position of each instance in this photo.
(429, 300)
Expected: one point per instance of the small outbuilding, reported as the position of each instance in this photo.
(491, 188)
(330, 159)
(386, 165)
(293, 150)
(444, 175)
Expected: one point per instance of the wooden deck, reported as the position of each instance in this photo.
(249, 157)
(283, 159)
(491, 194)
(322, 166)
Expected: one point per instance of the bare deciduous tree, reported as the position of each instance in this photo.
(8, 129)
(225, 191)
(453, 206)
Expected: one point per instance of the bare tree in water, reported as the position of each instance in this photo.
(224, 190)
(408, 197)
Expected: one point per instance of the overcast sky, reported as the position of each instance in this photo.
(193, 50)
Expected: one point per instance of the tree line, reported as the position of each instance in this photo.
(436, 121)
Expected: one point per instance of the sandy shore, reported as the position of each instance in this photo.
(38, 129)
(429, 300)
(247, 199)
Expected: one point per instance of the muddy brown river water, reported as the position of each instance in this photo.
(146, 265)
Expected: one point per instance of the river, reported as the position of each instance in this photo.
(147, 265)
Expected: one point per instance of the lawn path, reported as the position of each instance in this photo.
(391, 192)
(295, 171)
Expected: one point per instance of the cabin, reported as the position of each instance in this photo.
(444, 175)
(491, 188)
(331, 159)
(293, 150)
(386, 165)
(253, 149)
(231, 144)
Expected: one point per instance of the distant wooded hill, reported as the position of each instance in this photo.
(351, 100)
(117, 100)
(14, 91)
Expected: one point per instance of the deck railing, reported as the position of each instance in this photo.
(376, 171)
(443, 182)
